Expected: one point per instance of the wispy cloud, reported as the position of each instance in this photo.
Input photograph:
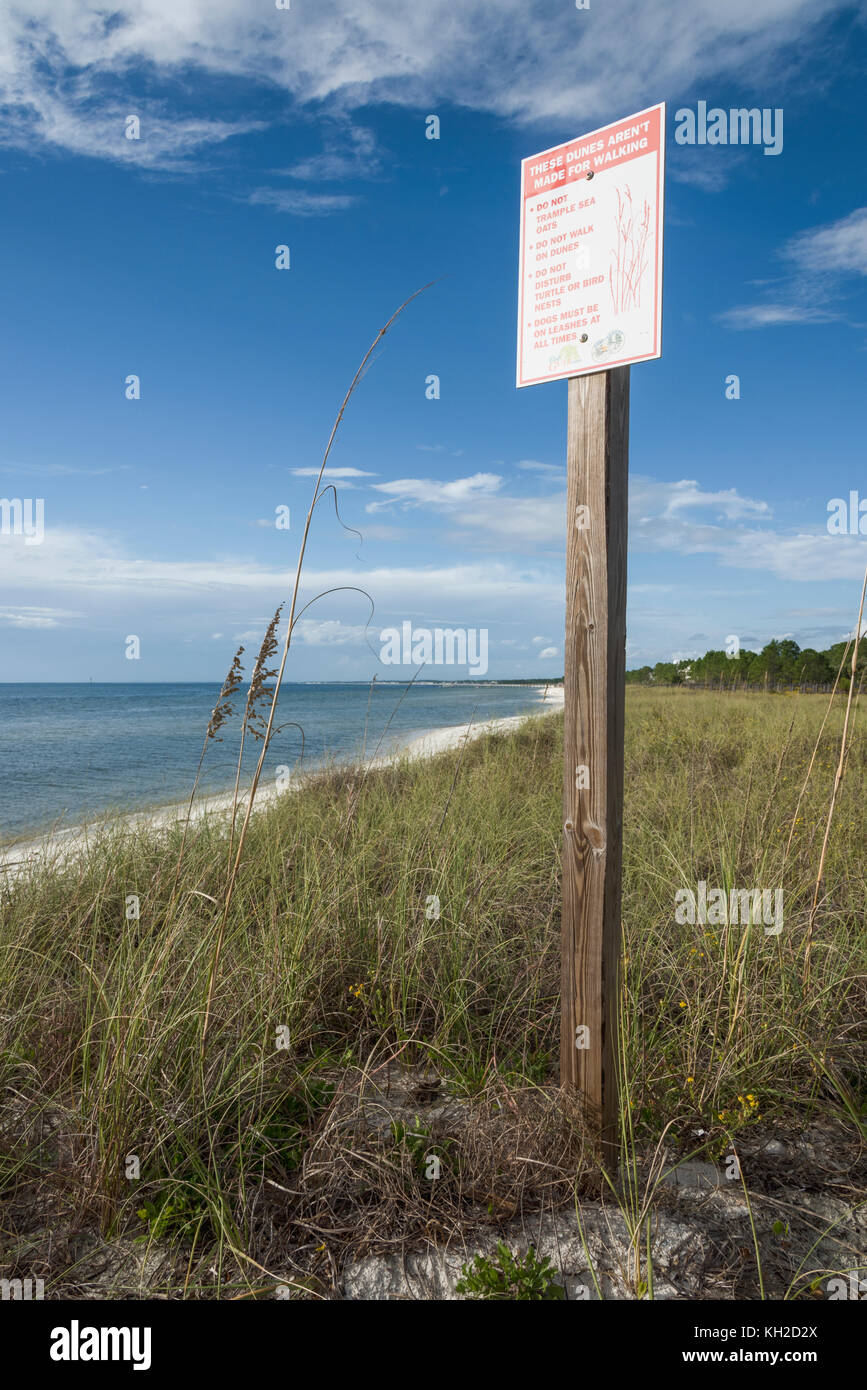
(840, 248)
(353, 154)
(551, 470)
(77, 116)
(709, 168)
(820, 259)
(428, 492)
(679, 517)
(330, 632)
(667, 517)
(775, 315)
(486, 517)
(40, 618)
(332, 473)
(301, 202)
(61, 470)
(89, 563)
(652, 501)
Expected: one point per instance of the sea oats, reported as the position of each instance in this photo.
(260, 691)
(223, 708)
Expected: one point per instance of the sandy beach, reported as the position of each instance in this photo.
(60, 845)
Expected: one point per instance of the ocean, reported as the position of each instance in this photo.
(69, 753)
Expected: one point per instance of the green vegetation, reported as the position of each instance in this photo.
(332, 967)
(510, 1277)
(780, 663)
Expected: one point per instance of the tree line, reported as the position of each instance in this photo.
(780, 664)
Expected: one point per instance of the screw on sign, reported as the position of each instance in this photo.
(589, 305)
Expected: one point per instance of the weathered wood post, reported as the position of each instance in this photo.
(597, 454)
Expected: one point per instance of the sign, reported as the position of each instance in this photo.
(590, 279)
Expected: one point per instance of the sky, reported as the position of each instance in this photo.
(306, 127)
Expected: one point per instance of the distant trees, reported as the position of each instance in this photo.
(780, 662)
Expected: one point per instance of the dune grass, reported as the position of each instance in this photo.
(337, 958)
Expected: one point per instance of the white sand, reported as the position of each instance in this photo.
(61, 845)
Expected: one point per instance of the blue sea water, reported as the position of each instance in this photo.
(69, 753)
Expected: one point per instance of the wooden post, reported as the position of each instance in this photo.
(595, 669)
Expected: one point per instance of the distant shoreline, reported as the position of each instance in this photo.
(56, 847)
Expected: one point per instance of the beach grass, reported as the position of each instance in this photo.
(408, 917)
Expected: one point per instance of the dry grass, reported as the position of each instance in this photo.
(257, 1154)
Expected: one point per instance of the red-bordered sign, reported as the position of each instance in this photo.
(590, 276)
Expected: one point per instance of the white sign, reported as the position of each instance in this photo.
(590, 286)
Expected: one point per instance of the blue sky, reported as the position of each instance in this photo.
(306, 127)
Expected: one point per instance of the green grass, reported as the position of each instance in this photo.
(328, 941)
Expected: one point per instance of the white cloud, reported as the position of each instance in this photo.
(93, 564)
(680, 516)
(552, 470)
(483, 516)
(332, 473)
(708, 169)
(652, 501)
(329, 632)
(355, 157)
(820, 257)
(36, 617)
(61, 470)
(774, 315)
(375, 532)
(839, 248)
(301, 202)
(547, 653)
(65, 97)
(419, 492)
(120, 589)
(514, 523)
(659, 521)
(64, 62)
